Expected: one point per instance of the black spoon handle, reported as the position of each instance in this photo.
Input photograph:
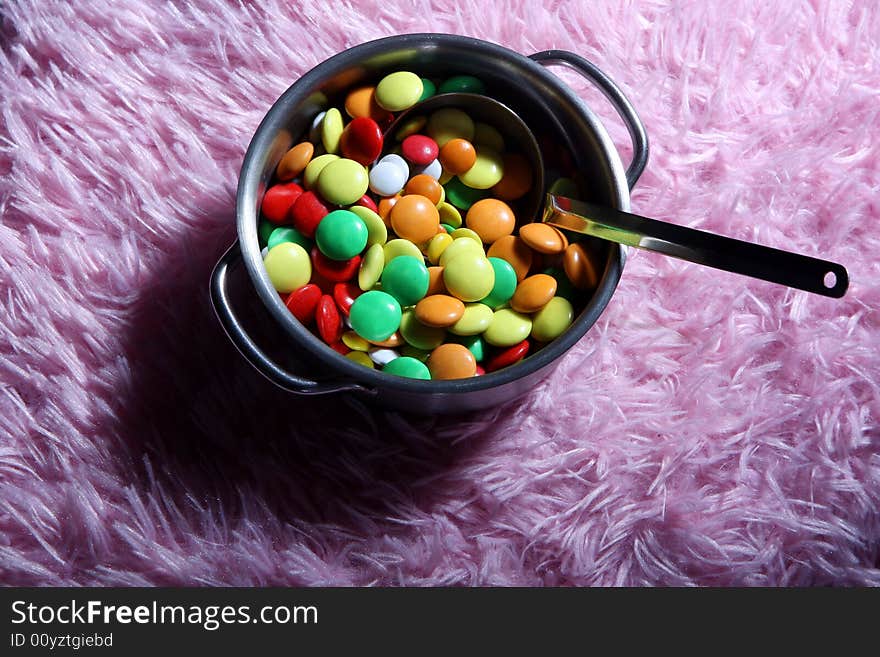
(769, 264)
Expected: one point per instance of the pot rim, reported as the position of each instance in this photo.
(250, 182)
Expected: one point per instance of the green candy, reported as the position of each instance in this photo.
(418, 335)
(428, 89)
(410, 368)
(264, 230)
(447, 228)
(475, 344)
(406, 279)
(341, 235)
(414, 352)
(462, 196)
(289, 234)
(564, 288)
(375, 316)
(467, 84)
(505, 283)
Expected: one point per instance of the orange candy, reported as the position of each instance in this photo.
(440, 310)
(362, 103)
(424, 185)
(436, 285)
(457, 156)
(295, 161)
(452, 361)
(415, 218)
(516, 252)
(491, 219)
(543, 238)
(579, 267)
(533, 293)
(517, 178)
(384, 209)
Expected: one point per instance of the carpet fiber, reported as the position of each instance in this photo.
(709, 430)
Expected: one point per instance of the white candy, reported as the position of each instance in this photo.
(397, 161)
(434, 169)
(382, 356)
(264, 252)
(386, 178)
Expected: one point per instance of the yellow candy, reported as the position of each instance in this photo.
(418, 335)
(487, 170)
(507, 328)
(377, 232)
(475, 320)
(462, 245)
(450, 123)
(331, 130)
(449, 214)
(469, 276)
(371, 267)
(360, 358)
(552, 320)
(411, 127)
(355, 342)
(466, 233)
(486, 135)
(288, 266)
(437, 245)
(315, 167)
(399, 91)
(401, 247)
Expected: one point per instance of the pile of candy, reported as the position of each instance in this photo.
(374, 256)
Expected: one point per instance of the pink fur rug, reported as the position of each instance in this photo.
(709, 430)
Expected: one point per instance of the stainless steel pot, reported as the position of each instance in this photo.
(533, 92)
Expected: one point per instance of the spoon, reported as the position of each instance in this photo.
(763, 262)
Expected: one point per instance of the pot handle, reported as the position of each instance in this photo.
(613, 93)
(249, 349)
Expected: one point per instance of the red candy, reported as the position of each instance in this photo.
(340, 347)
(368, 203)
(337, 271)
(307, 213)
(328, 320)
(304, 302)
(345, 294)
(480, 371)
(361, 140)
(278, 200)
(508, 356)
(419, 149)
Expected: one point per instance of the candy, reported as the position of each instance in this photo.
(491, 219)
(294, 161)
(452, 361)
(515, 251)
(355, 342)
(579, 267)
(336, 271)
(517, 179)
(399, 91)
(340, 348)
(419, 354)
(449, 215)
(508, 357)
(457, 156)
(408, 367)
(460, 245)
(505, 284)
(415, 218)
(551, 321)
(315, 128)
(476, 319)
(439, 310)
(371, 267)
(462, 196)
(377, 233)
(307, 213)
(507, 328)
(328, 320)
(533, 293)
(392, 342)
(264, 231)
(419, 149)
(375, 315)
(410, 126)
(314, 168)
(366, 202)
(288, 234)
(384, 209)
(331, 130)
(433, 169)
(469, 276)
(564, 287)
(342, 181)
(458, 233)
(449, 123)
(344, 295)
(543, 238)
(467, 84)
(487, 135)
(303, 302)
(487, 171)
(474, 343)
(406, 279)
(362, 103)
(361, 140)
(419, 335)
(288, 267)
(278, 200)
(396, 248)
(389, 175)
(360, 358)
(383, 356)
(424, 185)
(435, 281)
(437, 245)
(341, 235)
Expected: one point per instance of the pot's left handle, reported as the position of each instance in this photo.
(250, 350)
(613, 93)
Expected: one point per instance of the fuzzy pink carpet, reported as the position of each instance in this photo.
(710, 429)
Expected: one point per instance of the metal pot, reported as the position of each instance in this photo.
(540, 97)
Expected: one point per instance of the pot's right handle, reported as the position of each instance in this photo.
(613, 93)
(250, 350)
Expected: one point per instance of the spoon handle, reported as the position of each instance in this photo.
(769, 264)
